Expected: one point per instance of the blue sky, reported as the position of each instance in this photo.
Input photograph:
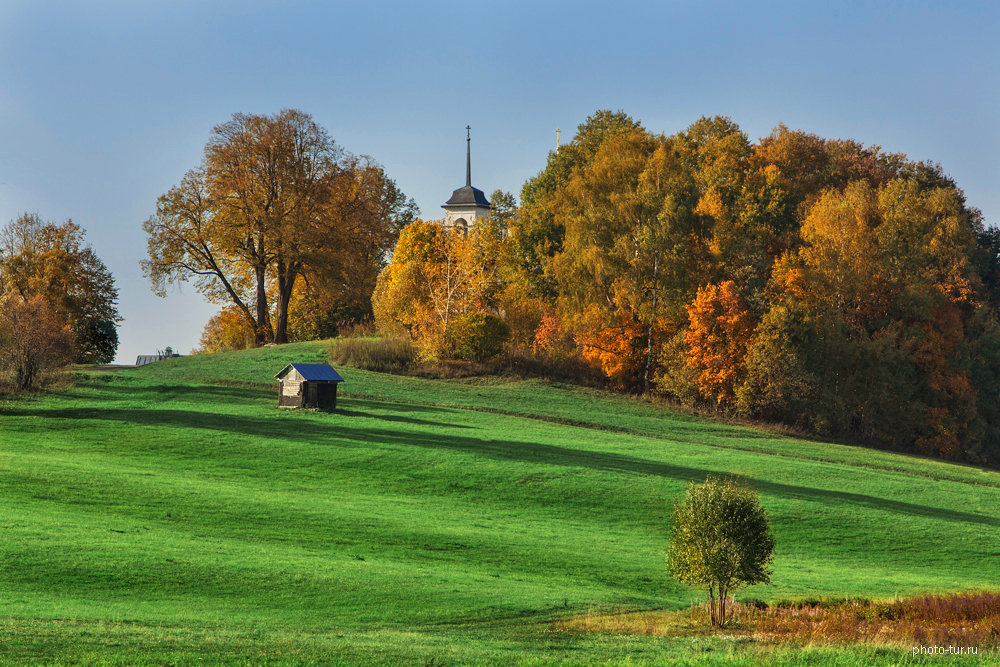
(105, 104)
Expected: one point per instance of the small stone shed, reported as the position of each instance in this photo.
(308, 386)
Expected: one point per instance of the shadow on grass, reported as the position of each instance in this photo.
(339, 432)
(265, 426)
(169, 391)
(397, 406)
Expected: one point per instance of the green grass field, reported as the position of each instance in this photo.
(172, 514)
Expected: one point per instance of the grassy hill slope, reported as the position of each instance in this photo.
(171, 512)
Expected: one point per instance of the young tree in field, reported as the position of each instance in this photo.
(34, 338)
(721, 541)
(51, 261)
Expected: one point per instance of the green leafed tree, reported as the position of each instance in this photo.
(721, 541)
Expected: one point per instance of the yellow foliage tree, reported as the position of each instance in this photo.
(435, 276)
(226, 330)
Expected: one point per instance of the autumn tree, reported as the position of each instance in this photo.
(52, 261)
(274, 200)
(630, 244)
(719, 331)
(841, 256)
(400, 294)
(34, 338)
(453, 282)
(539, 231)
(865, 334)
(226, 330)
(372, 211)
(435, 276)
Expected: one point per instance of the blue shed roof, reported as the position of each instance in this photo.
(313, 372)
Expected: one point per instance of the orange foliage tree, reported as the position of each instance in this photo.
(40, 258)
(613, 344)
(34, 338)
(719, 331)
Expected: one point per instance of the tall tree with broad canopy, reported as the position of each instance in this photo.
(275, 200)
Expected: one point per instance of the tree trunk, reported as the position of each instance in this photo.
(25, 375)
(649, 331)
(722, 605)
(281, 318)
(263, 334)
(286, 284)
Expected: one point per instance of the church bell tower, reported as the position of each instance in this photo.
(467, 204)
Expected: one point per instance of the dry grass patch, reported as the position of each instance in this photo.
(385, 355)
(659, 623)
(961, 619)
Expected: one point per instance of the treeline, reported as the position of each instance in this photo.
(815, 282)
(58, 301)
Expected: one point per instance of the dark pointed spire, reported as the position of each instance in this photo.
(468, 196)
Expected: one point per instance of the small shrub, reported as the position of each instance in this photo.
(384, 355)
(34, 340)
(477, 336)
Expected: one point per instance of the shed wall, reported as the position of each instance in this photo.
(290, 396)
